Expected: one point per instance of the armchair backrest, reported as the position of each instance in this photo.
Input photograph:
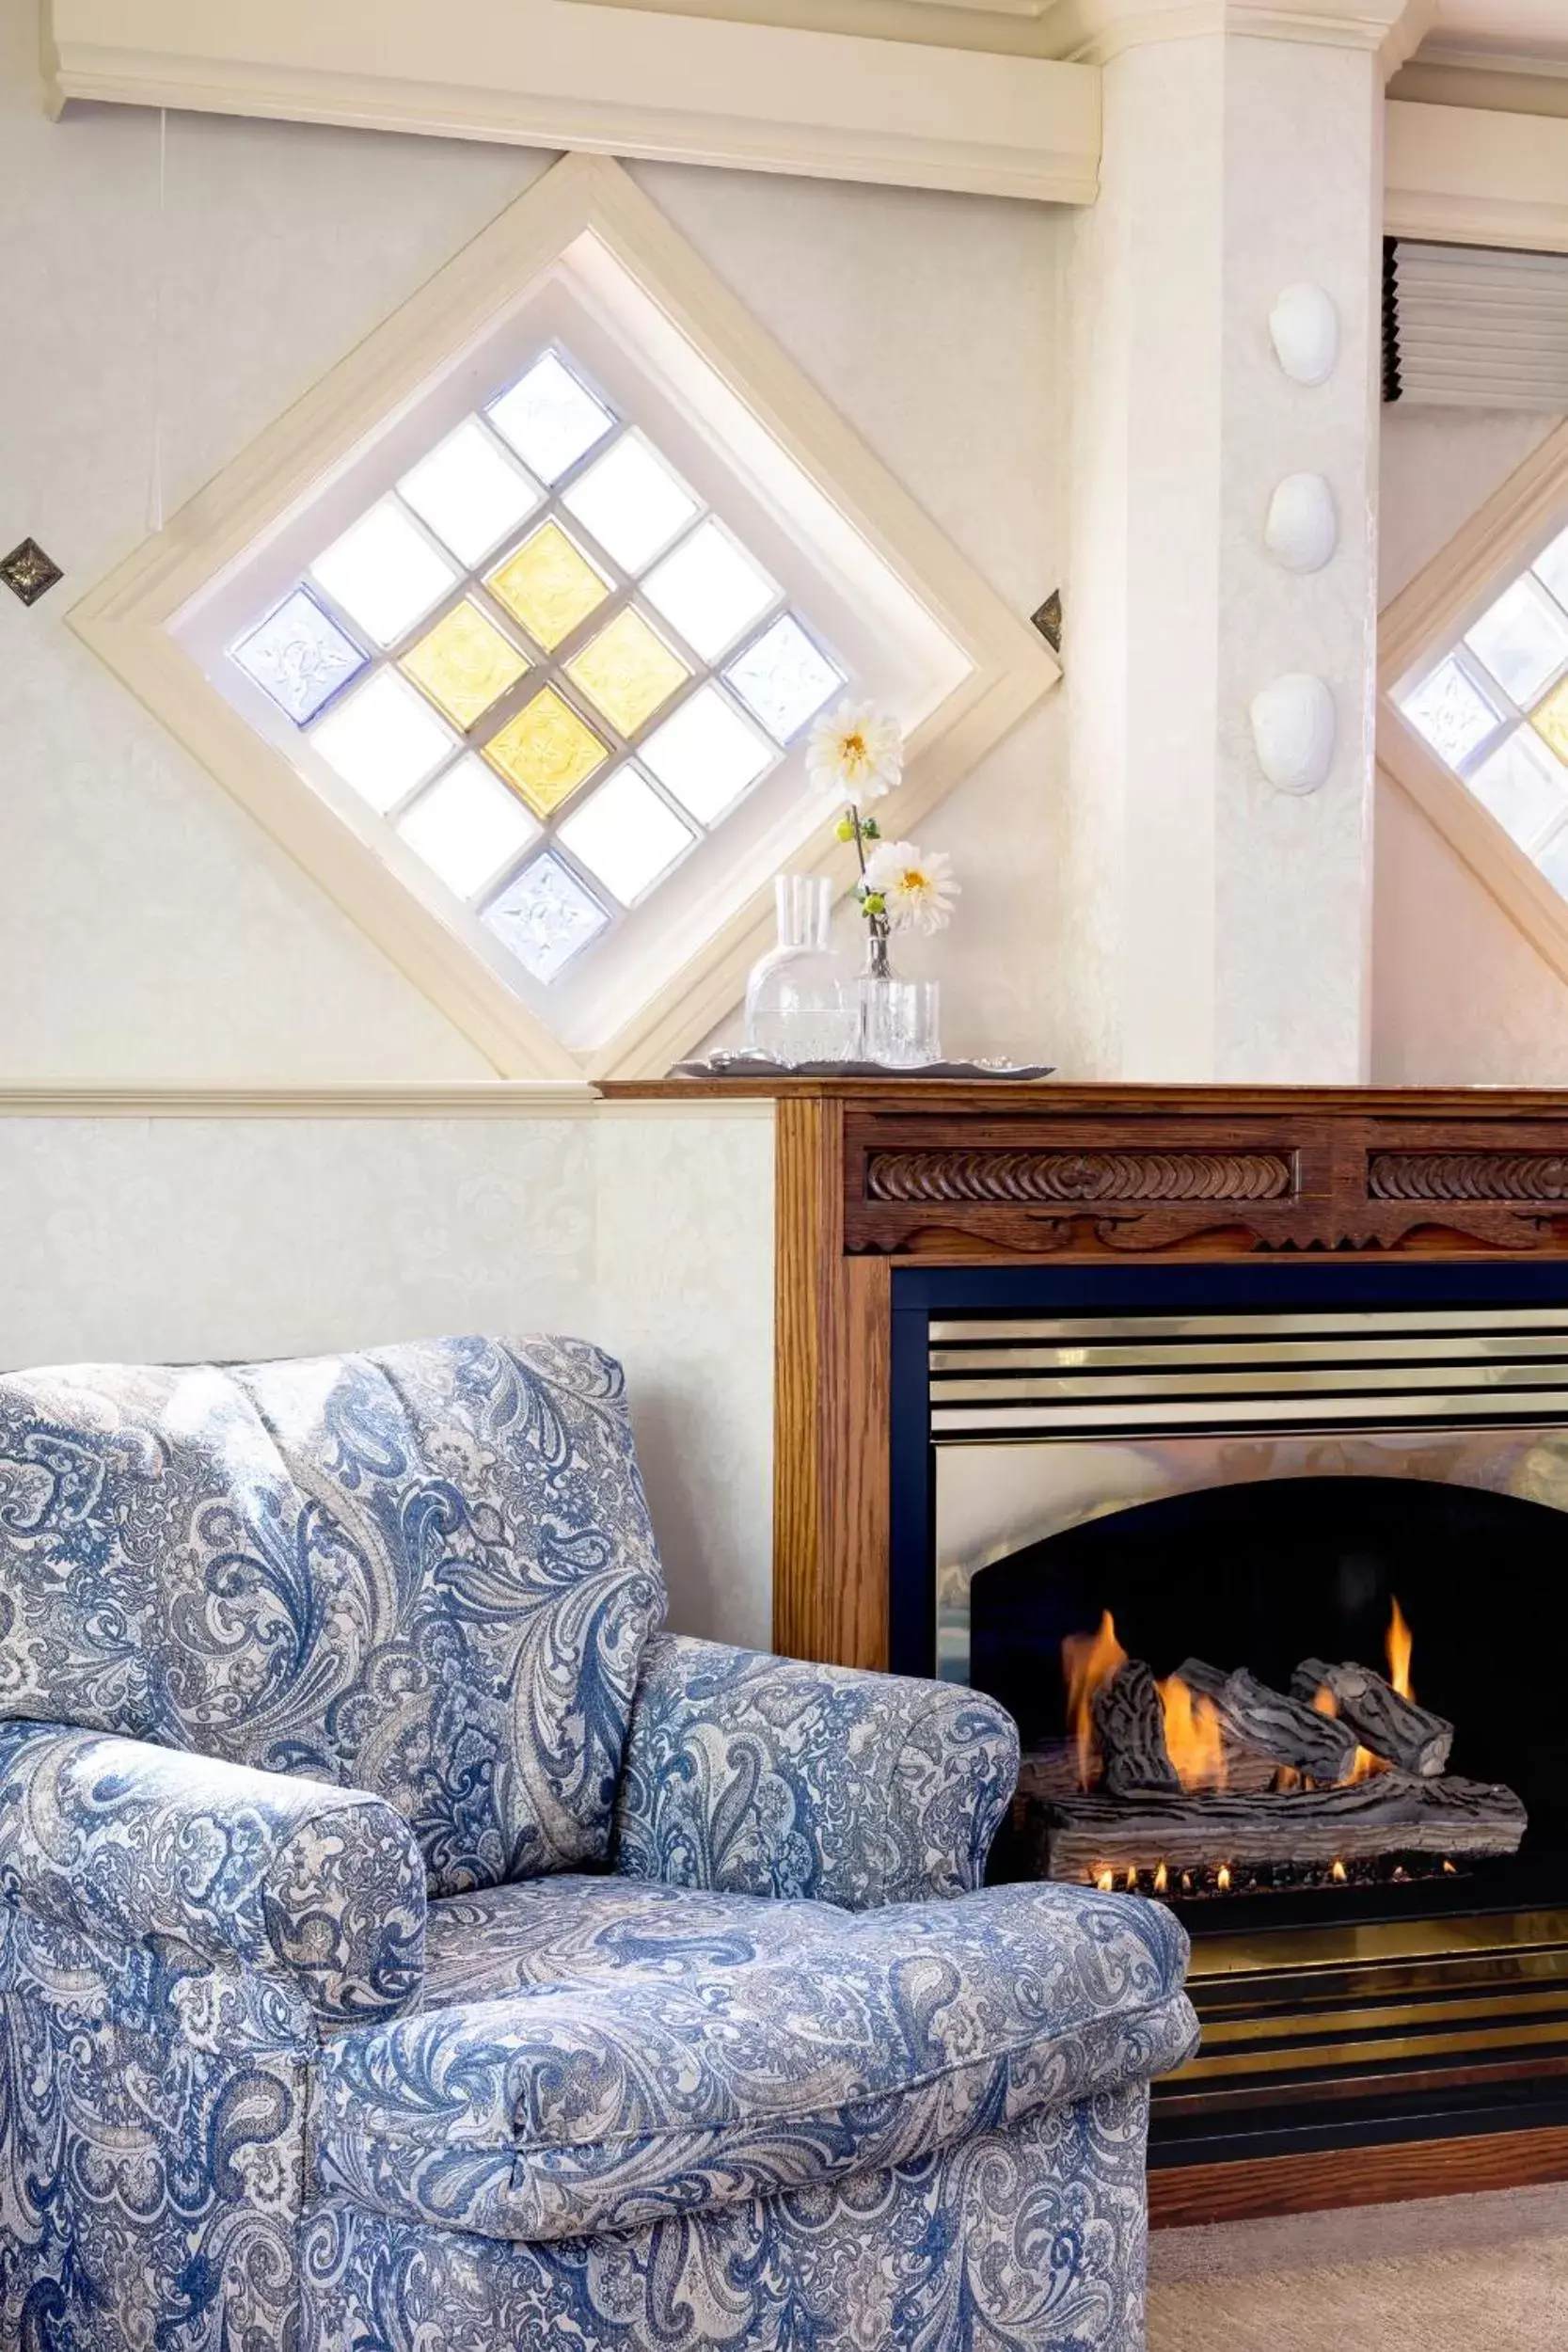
(426, 1571)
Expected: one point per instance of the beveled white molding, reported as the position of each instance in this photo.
(124, 619)
(1463, 175)
(1095, 31)
(566, 74)
(483, 1099)
(1482, 553)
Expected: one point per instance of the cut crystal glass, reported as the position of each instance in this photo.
(710, 590)
(550, 585)
(299, 656)
(470, 492)
(544, 916)
(550, 417)
(784, 678)
(468, 826)
(383, 739)
(627, 672)
(800, 1002)
(1550, 720)
(1451, 711)
(384, 573)
(465, 663)
(546, 752)
(706, 754)
(626, 835)
(1523, 640)
(1523, 785)
(631, 502)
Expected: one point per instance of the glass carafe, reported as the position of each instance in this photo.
(801, 1000)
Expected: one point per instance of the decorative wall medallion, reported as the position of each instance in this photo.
(1001, 1178)
(1469, 1176)
(1292, 730)
(28, 573)
(1304, 327)
(1302, 530)
(1048, 620)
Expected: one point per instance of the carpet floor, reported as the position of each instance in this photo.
(1445, 2274)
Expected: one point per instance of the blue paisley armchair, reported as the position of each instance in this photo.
(406, 1946)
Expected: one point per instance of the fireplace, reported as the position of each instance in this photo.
(1270, 1564)
(1263, 1361)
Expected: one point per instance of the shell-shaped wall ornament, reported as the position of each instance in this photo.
(1292, 731)
(1302, 530)
(1304, 327)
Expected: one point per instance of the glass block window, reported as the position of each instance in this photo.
(543, 663)
(1494, 706)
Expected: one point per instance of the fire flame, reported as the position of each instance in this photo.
(1087, 1661)
(1364, 1763)
(1400, 1646)
(1193, 1740)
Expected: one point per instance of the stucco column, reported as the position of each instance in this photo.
(1224, 917)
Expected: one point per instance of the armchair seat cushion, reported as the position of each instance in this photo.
(598, 2054)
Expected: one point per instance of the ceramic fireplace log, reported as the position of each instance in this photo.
(1407, 1735)
(1257, 1721)
(1392, 1813)
(1130, 1728)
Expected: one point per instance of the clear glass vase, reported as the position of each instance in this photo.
(800, 999)
(898, 1019)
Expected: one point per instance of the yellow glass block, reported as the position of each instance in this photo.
(546, 752)
(627, 672)
(1550, 720)
(464, 663)
(548, 584)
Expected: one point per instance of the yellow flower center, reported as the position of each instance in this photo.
(912, 879)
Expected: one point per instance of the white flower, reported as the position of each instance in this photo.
(856, 753)
(917, 886)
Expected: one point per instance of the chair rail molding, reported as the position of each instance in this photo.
(350, 1099)
(1521, 514)
(567, 73)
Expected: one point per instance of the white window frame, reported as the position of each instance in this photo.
(1419, 627)
(582, 258)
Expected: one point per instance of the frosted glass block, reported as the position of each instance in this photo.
(1550, 720)
(549, 418)
(710, 590)
(706, 754)
(469, 493)
(468, 826)
(550, 585)
(546, 752)
(1553, 568)
(1450, 711)
(784, 678)
(465, 663)
(544, 918)
(631, 502)
(1523, 640)
(626, 835)
(627, 672)
(1523, 785)
(299, 656)
(384, 739)
(384, 573)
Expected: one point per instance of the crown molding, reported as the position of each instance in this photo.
(1464, 175)
(1095, 31)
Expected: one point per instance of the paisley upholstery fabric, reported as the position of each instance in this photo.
(669, 2067)
(326, 2025)
(757, 1776)
(121, 1840)
(425, 1571)
(1025, 2240)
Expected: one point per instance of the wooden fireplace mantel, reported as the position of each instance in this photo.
(875, 1173)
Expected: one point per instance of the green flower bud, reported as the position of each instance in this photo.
(845, 828)
(874, 904)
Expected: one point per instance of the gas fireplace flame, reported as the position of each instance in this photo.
(1400, 1646)
(1193, 1738)
(1087, 1661)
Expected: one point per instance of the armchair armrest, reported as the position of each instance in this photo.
(320, 1886)
(755, 1776)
